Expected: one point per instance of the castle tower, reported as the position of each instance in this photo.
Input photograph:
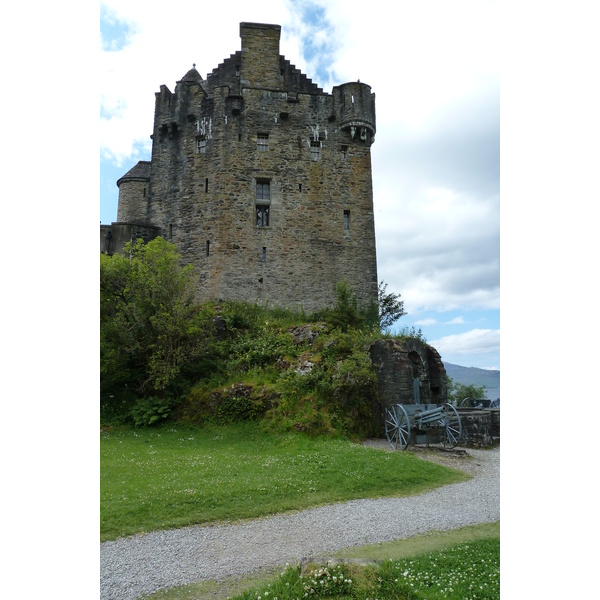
(133, 194)
(262, 180)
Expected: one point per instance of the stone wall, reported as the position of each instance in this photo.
(114, 237)
(480, 427)
(408, 372)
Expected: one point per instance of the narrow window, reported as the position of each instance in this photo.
(237, 70)
(206, 185)
(263, 202)
(262, 215)
(264, 254)
(207, 248)
(262, 142)
(144, 192)
(299, 187)
(171, 231)
(346, 220)
(263, 189)
(315, 150)
(344, 151)
(201, 145)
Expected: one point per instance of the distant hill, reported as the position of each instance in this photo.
(473, 376)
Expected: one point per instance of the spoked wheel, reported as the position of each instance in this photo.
(453, 428)
(495, 403)
(397, 426)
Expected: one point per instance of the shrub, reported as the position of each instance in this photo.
(236, 409)
(153, 337)
(151, 410)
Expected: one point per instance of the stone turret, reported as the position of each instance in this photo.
(357, 110)
(133, 194)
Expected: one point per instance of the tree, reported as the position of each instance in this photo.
(457, 392)
(391, 308)
(345, 313)
(150, 327)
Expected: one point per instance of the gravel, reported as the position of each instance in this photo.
(142, 564)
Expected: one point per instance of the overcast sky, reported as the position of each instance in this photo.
(434, 67)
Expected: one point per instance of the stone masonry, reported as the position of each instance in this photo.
(408, 372)
(261, 180)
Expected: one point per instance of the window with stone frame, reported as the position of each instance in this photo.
(315, 150)
(262, 142)
(263, 202)
(262, 215)
(201, 144)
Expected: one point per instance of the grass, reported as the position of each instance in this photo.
(457, 564)
(176, 476)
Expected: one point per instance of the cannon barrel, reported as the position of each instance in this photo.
(429, 416)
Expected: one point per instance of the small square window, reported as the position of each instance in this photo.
(262, 142)
(315, 150)
(262, 215)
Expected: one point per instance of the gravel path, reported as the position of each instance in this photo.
(142, 564)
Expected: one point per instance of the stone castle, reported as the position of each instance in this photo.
(261, 180)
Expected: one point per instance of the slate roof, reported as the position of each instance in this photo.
(192, 75)
(140, 171)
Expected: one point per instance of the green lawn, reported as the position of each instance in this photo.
(175, 476)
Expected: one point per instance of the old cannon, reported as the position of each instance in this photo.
(422, 420)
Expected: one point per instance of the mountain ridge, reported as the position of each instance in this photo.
(485, 378)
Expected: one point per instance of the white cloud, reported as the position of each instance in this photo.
(456, 321)
(475, 341)
(426, 322)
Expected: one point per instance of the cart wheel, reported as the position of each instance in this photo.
(495, 403)
(452, 428)
(466, 402)
(397, 426)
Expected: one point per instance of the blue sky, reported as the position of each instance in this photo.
(434, 67)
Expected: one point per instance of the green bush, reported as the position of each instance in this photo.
(151, 410)
(237, 409)
(153, 337)
(259, 350)
(457, 392)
